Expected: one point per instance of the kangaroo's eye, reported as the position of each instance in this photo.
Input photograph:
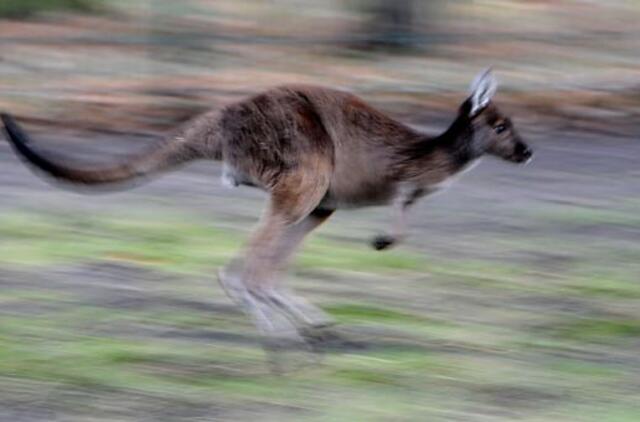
(500, 128)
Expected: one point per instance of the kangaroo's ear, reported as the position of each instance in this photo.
(483, 88)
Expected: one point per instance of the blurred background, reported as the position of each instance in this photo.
(515, 298)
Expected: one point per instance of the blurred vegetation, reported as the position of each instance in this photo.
(103, 317)
(572, 61)
(165, 243)
(27, 8)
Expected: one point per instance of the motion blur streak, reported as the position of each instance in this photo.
(514, 297)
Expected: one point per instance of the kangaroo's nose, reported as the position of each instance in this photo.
(523, 152)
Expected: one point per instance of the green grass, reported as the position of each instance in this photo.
(597, 329)
(173, 243)
(164, 243)
(359, 312)
(322, 253)
(453, 357)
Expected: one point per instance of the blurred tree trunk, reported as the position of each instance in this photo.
(391, 23)
(398, 23)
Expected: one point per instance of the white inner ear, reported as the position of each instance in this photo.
(483, 88)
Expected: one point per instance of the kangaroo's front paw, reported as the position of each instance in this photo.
(383, 242)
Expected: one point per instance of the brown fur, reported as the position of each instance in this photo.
(314, 150)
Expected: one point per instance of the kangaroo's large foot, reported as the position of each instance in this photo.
(269, 320)
(287, 323)
(300, 311)
(305, 314)
(280, 337)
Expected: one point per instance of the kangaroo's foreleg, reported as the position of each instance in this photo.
(400, 209)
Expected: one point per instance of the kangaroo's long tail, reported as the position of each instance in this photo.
(164, 155)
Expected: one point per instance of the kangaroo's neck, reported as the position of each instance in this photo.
(455, 145)
(457, 142)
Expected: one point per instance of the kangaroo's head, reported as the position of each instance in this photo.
(493, 132)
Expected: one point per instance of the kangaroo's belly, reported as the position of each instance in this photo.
(365, 194)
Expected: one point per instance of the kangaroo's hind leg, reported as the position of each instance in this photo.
(247, 279)
(252, 281)
(303, 313)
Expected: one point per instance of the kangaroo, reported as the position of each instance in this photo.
(314, 150)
